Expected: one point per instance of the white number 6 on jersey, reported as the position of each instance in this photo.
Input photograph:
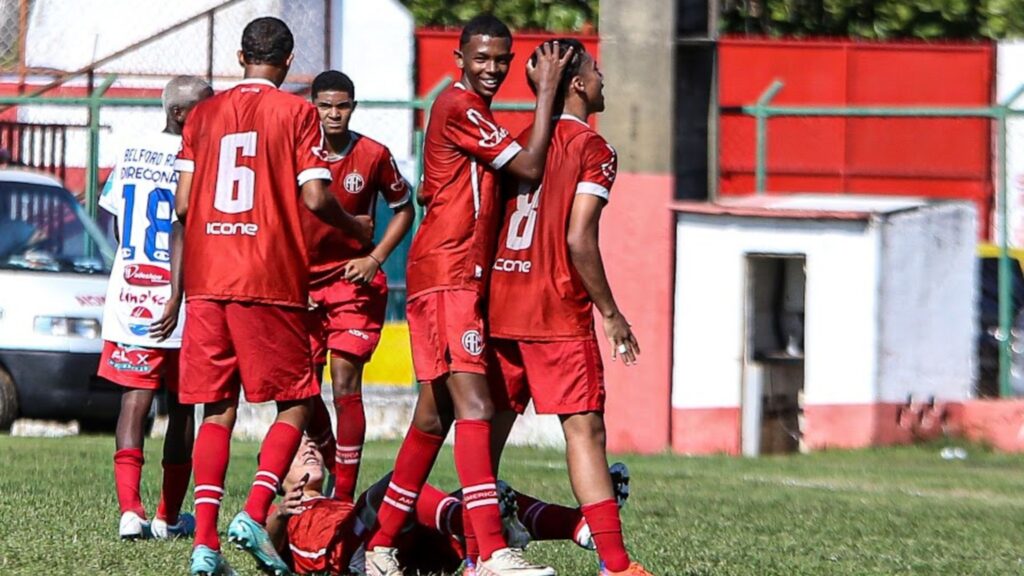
(226, 199)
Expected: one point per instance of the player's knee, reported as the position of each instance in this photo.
(430, 424)
(587, 427)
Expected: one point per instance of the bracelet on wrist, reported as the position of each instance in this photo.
(377, 260)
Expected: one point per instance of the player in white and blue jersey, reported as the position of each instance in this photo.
(140, 195)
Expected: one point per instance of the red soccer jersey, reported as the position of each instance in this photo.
(250, 149)
(357, 176)
(463, 150)
(536, 293)
(322, 538)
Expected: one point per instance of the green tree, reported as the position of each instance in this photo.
(550, 15)
(877, 19)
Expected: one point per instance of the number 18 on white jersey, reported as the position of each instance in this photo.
(140, 194)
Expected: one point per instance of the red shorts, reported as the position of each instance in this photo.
(348, 318)
(446, 329)
(564, 377)
(259, 348)
(139, 367)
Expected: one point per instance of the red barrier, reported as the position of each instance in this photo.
(435, 60)
(938, 158)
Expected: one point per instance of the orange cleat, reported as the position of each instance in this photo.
(635, 569)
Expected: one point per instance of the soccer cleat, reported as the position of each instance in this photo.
(209, 562)
(469, 568)
(634, 569)
(516, 535)
(510, 562)
(583, 537)
(248, 535)
(185, 527)
(133, 527)
(620, 482)
(382, 561)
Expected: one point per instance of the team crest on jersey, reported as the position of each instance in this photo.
(473, 342)
(353, 183)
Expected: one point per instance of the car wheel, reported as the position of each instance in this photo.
(8, 400)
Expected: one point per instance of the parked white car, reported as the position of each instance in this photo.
(54, 265)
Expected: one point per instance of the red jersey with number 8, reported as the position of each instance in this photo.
(536, 293)
(463, 150)
(250, 149)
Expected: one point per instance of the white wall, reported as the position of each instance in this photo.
(928, 303)
(1010, 76)
(841, 301)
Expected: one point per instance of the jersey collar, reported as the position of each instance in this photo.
(573, 118)
(263, 81)
(351, 144)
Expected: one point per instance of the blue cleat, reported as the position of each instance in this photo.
(209, 562)
(248, 535)
(185, 527)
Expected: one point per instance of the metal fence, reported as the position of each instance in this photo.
(764, 110)
(45, 147)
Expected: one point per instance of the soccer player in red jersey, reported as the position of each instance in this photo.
(464, 150)
(317, 534)
(547, 277)
(140, 195)
(250, 163)
(348, 289)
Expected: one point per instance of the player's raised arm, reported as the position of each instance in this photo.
(545, 70)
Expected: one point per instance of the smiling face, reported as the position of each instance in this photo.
(307, 461)
(484, 61)
(335, 108)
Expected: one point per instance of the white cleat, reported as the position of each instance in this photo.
(510, 562)
(383, 561)
(133, 527)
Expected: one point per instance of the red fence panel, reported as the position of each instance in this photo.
(940, 158)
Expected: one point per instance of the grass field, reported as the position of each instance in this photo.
(885, 511)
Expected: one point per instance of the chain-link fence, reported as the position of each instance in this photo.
(939, 151)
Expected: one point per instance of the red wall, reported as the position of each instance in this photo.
(434, 61)
(941, 158)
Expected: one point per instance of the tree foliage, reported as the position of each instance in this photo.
(877, 19)
(550, 15)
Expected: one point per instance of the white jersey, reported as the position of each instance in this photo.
(140, 194)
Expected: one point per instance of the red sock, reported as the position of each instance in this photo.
(320, 432)
(351, 435)
(603, 519)
(412, 466)
(127, 479)
(548, 521)
(472, 548)
(479, 491)
(172, 493)
(276, 455)
(434, 509)
(210, 458)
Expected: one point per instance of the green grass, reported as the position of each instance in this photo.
(885, 511)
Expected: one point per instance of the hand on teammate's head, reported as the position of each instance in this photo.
(548, 64)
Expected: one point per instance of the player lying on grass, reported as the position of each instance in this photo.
(140, 195)
(548, 276)
(316, 534)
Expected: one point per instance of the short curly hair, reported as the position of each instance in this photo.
(267, 40)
